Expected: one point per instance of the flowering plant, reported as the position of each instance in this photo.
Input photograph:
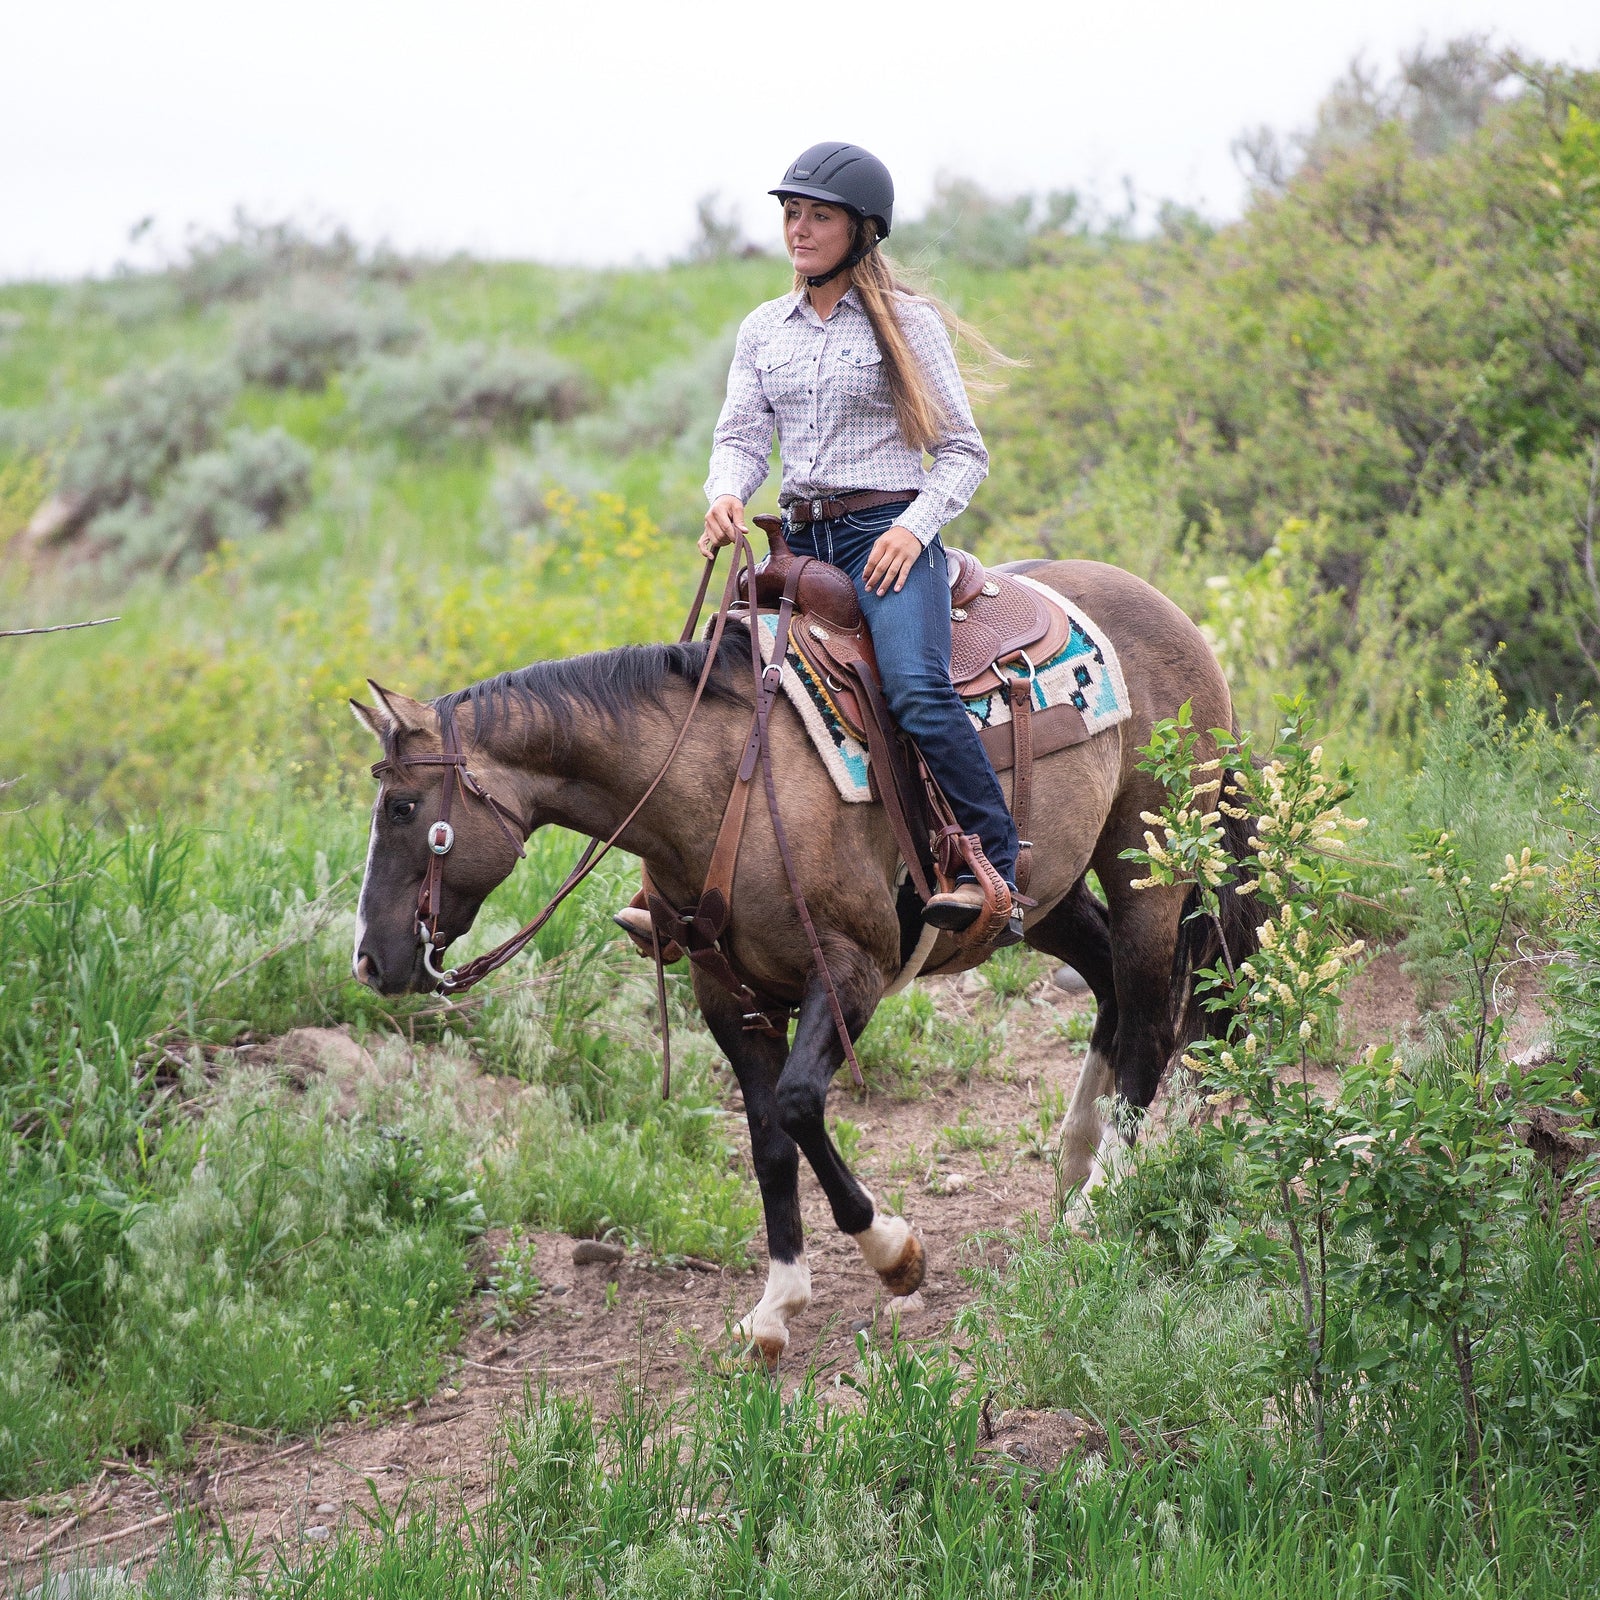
(1382, 1183)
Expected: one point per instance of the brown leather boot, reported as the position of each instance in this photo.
(635, 922)
(957, 909)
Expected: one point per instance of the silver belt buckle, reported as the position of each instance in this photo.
(816, 511)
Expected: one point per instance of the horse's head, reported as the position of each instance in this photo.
(471, 856)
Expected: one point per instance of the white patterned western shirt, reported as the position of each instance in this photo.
(823, 385)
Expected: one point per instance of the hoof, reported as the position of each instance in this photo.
(768, 1348)
(906, 1275)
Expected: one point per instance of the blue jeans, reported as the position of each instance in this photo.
(911, 638)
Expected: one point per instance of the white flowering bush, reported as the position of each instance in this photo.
(1382, 1198)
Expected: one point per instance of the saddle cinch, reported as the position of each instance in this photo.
(995, 622)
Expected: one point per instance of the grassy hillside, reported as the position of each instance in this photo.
(1354, 435)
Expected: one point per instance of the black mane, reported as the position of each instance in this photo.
(608, 683)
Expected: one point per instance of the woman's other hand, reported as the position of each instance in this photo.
(723, 520)
(891, 561)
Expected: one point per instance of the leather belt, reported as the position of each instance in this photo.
(842, 505)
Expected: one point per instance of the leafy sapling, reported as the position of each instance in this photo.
(1281, 999)
(1441, 1189)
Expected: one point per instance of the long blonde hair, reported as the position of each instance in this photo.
(878, 282)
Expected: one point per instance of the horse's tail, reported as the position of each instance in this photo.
(1201, 941)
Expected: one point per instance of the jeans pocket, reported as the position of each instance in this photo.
(875, 520)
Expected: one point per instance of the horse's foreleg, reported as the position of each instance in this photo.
(757, 1062)
(1078, 930)
(887, 1243)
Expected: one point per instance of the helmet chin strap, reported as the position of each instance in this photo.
(854, 259)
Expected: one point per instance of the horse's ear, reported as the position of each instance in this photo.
(374, 721)
(407, 715)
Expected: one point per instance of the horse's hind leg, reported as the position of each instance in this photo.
(887, 1243)
(1078, 930)
(1145, 924)
(757, 1062)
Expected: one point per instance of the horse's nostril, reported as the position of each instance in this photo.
(367, 970)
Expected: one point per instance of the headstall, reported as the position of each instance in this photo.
(442, 835)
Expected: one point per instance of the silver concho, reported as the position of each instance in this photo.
(991, 588)
(817, 631)
(440, 837)
(958, 614)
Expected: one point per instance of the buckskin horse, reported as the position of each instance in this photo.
(577, 743)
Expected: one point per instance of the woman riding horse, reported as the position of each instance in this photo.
(641, 747)
(858, 375)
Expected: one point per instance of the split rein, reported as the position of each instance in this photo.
(458, 775)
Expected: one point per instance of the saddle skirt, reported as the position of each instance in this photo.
(994, 622)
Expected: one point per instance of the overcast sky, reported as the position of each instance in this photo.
(585, 131)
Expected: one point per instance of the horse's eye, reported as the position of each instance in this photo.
(402, 810)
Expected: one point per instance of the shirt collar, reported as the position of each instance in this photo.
(800, 306)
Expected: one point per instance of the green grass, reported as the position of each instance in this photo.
(183, 1237)
(735, 1490)
(1087, 1328)
(908, 1044)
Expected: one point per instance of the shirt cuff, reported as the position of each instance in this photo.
(922, 518)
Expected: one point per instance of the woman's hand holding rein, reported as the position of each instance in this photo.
(723, 520)
(891, 561)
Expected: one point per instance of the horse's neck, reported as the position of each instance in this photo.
(590, 775)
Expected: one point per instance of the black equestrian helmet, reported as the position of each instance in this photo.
(845, 174)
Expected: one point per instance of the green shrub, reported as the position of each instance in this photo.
(1495, 785)
(254, 255)
(225, 496)
(965, 223)
(123, 447)
(311, 331)
(464, 390)
(525, 491)
(679, 400)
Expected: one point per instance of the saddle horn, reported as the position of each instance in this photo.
(824, 591)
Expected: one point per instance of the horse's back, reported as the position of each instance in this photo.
(1165, 657)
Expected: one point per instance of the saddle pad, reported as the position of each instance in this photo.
(1084, 675)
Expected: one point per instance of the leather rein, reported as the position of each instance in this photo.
(701, 928)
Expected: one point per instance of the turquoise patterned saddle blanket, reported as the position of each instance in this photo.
(1077, 693)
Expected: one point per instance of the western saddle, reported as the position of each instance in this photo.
(996, 622)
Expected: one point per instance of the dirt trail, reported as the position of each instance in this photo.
(662, 1323)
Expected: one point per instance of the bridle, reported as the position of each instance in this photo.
(441, 835)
